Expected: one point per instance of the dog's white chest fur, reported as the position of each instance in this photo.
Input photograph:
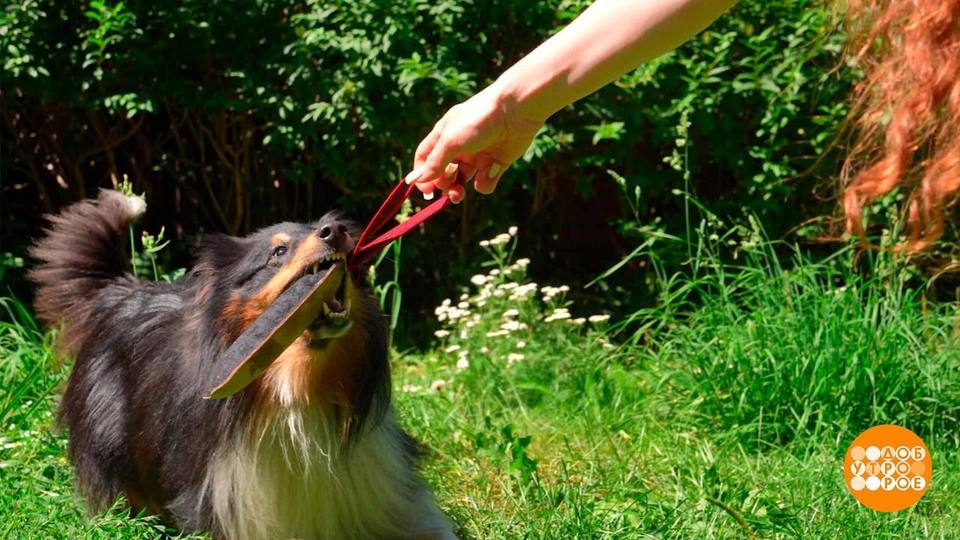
(295, 482)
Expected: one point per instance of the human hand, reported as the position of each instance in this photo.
(480, 137)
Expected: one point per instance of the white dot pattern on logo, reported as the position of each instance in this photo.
(857, 483)
(887, 468)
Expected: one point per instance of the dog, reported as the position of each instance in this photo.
(309, 450)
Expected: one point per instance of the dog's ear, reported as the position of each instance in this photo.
(215, 252)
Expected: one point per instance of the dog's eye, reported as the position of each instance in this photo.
(279, 251)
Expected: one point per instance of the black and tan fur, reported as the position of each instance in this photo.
(310, 450)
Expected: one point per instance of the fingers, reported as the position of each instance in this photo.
(449, 176)
(423, 151)
(433, 166)
(486, 180)
(456, 193)
(439, 159)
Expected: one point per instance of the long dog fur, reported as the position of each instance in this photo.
(310, 450)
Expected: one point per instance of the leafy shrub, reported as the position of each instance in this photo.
(231, 116)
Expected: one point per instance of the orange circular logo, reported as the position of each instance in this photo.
(887, 468)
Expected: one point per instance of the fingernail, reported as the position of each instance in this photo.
(428, 196)
(494, 170)
(450, 169)
(454, 198)
(413, 175)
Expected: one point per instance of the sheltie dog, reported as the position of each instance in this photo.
(309, 450)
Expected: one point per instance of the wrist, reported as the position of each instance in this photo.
(525, 93)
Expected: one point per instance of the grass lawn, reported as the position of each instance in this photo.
(723, 412)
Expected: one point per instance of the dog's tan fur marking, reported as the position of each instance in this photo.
(301, 372)
(236, 317)
(241, 314)
(280, 239)
(305, 254)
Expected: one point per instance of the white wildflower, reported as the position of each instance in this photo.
(452, 349)
(463, 363)
(497, 333)
(411, 388)
(499, 239)
(578, 321)
(484, 243)
(478, 279)
(513, 358)
(511, 313)
(464, 297)
(455, 313)
(521, 344)
(512, 231)
(495, 272)
(522, 263)
(442, 333)
(596, 319)
(523, 291)
(484, 350)
(558, 314)
(437, 385)
(512, 326)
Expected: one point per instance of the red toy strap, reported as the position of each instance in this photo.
(365, 249)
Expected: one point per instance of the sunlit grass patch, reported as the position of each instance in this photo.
(721, 412)
(725, 415)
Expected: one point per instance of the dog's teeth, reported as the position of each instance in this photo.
(326, 310)
(316, 267)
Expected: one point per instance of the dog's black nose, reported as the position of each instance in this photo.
(335, 235)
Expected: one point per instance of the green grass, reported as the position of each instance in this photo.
(723, 412)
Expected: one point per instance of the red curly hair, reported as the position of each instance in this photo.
(906, 111)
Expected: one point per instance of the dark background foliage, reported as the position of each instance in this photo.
(232, 115)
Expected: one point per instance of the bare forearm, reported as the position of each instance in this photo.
(608, 39)
(483, 136)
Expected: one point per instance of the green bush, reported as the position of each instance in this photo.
(233, 115)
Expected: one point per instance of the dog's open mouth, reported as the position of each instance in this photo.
(334, 320)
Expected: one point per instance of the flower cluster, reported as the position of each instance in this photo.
(501, 311)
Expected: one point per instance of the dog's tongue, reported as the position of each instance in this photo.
(274, 330)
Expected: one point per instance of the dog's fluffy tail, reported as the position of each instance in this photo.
(81, 254)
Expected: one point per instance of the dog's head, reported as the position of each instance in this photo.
(257, 269)
(341, 357)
